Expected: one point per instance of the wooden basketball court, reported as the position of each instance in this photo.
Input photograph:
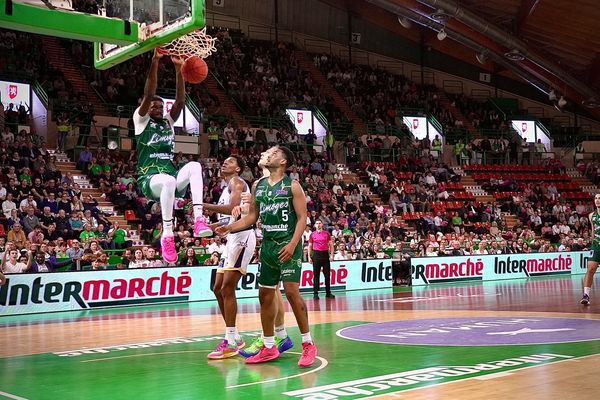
(468, 341)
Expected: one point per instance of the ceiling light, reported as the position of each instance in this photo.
(440, 16)
(552, 95)
(591, 103)
(441, 34)
(405, 22)
(562, 102)
(481, 57)
(514, 55)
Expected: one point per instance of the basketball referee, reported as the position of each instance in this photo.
(320, 252)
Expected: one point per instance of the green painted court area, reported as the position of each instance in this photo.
(178, 369)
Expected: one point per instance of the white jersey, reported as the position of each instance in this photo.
(225, 199)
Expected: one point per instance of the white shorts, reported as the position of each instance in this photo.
(239, 251)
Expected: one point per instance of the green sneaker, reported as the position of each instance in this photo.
(253, 349)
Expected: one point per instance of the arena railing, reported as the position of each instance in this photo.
(379, 155)
(453, 135)
(411, 111)
(452, 86)
(193, 107)
(115, 259)
(231, 97)
(341, 130)
(41, 93)
(436, 124)
(388, 130)
(481, 94)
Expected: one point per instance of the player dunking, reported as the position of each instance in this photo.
(281, 205)
(592, 264)
(159, 179)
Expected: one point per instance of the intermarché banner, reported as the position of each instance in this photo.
(426, 270)
(71, 291)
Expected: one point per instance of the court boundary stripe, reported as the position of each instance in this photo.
(12, 396)
(324, 364)
(144, 355)
(511, 372)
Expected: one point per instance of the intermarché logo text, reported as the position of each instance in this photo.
(379, 385)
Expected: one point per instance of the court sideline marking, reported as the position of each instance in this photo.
(324, 364)
(498, 375)
(11, 396)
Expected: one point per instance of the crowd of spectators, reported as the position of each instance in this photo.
(46, 211)
(264, 77)
(374, 94)
(47, 219)
(24, 58)
(377, 95)
(49, 209)
(480, 113)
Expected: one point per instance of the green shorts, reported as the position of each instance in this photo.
(272, 271)
(144, 178)
(595, 254)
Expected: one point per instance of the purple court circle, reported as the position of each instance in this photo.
(487, 331)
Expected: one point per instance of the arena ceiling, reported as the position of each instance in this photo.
(554, 44)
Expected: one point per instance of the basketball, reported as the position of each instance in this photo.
(194, 70)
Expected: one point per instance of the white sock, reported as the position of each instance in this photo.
(280, 332)
(168, 227)
(306, 338)
(586, 290)
(197, 211)
(237, 334)
(269, 341)
(230, 334)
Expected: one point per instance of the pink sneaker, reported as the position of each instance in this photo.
(223, 350)
(263, 355)
(309, 353)
(167, 245)
(201, 229)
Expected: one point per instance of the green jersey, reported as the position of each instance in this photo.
(119, 235)
(85, 236)
(596, 221)
(276, 209)
(155, 144)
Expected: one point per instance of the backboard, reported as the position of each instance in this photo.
(59, 18)
(120, 29)
(160, 21)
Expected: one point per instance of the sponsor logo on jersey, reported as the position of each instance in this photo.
(157, 138)
(273, 208)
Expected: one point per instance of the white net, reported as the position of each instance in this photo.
(196, 43)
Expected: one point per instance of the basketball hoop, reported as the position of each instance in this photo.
(197, 43)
